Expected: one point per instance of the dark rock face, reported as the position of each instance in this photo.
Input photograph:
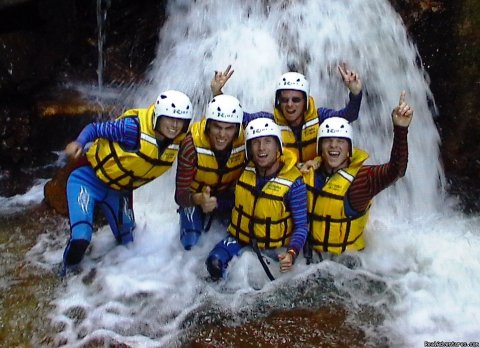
(46, 44)
(447, 34)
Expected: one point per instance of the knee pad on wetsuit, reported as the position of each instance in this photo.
(215, 267)
(74, 251)
(191, 226)
(217, 262)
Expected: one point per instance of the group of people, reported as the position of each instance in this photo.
(281, 182)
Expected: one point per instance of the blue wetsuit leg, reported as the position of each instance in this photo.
(84, 189)
(191, 225)
(118, 209)
(221, 254)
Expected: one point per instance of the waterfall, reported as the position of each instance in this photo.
(101, 10)
(262, 40)
(421, 250)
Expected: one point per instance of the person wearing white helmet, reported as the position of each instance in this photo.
(270, 210)
(341, 188)
(295, 111)
(126, 153)
(210, 161)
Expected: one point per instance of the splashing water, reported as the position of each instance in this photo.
(421, 266)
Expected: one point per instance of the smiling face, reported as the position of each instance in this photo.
(170, 127)
(335, 153)
(221, 134)
(265, 152)
(293, 106)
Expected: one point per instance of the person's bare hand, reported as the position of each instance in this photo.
(286, 262)
(74, 149)
(205, 201)
(220, 79)
(310, 164)
(350, 78)
(403, 113)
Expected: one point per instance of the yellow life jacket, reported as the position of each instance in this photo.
(208, 171)
(262, 214)
(127, 170)
(306, 148)
(330, 229)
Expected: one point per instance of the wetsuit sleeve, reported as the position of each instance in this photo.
(350, 112)
(370, 180)
(296, 201)
(247, 117)
(125, 131)
(186, 170)
(226, 199)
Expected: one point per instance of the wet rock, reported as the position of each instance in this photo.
(55, 190)
(15, 130)
(292, 328)
(47, 43)
(447, 34)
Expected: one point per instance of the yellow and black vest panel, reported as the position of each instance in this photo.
(330, 230)
(306, 148)
(127, 170)
(208, 171)
(261, 215)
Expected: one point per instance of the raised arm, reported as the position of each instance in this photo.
(370, 180)
(220, 79)
(403, 113)
(351, 79)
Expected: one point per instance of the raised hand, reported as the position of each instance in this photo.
(219, 80)
(350, 79)
(74, 149)
(207, 202)
(403, 113)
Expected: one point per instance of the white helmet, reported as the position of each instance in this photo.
(295, 81)
(335, 127)
(173, 104)
(225, 108)
(262, 127)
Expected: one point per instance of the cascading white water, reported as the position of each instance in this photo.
(424, 251)
(101, 11)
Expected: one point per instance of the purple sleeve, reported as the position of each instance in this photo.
(350, 112)
(226, 200)
(125, 131)
(296, 200)
(247, 117)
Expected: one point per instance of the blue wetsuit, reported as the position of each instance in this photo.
(226, 249)
(85, 191)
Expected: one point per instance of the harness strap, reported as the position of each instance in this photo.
(347, 234)
(327, 232)
(254, 243)
(206, 227)
(262, 261)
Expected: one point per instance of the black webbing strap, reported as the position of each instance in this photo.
(262, 261)
(206, 227)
